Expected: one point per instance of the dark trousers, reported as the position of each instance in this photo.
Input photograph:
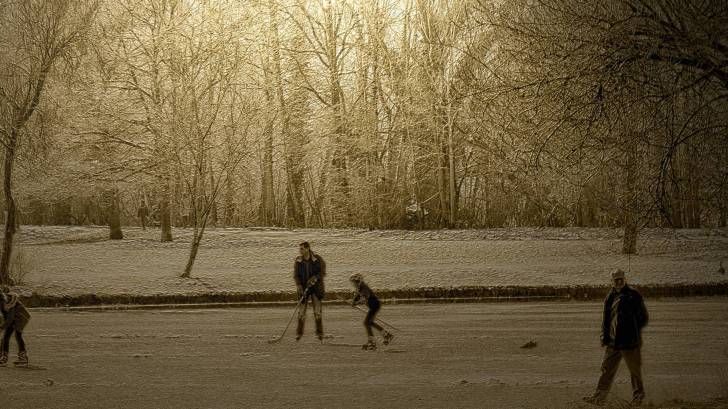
(610, 364)
(5, 347)
(317, 313)
(369, 320)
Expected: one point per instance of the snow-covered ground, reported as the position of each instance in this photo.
(79, 260)
(446, 356)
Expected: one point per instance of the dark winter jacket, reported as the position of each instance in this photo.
(365, 294)
(311, 273)
(631, 318)
(14, 313)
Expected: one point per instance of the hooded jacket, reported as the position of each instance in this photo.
(13, 312)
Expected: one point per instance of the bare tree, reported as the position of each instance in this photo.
(34, 37)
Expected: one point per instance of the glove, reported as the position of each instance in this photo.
(311, 281)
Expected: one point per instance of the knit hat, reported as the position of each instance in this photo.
(618, 273)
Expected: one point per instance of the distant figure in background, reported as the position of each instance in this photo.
(14, 319)
(623, 318)
(366, 295)
(142, 214)
(309, 270)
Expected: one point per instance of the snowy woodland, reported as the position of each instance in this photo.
(380, 114)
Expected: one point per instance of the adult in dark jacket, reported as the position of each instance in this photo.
(623, 319)
(309, 270)
(14, 319)
(142, 214)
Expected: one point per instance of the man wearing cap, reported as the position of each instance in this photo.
(622, 321)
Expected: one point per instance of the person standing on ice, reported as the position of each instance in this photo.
(623, 319)
(364, 294)
(14, 319)
(309, 270)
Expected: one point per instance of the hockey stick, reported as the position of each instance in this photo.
(298, 305)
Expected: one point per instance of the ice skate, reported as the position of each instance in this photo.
(22, 359)
(388, 336)
(3, 359)
(371, 345)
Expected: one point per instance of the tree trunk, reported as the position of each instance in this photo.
(10, 211)
(442, 178)
(165, 220)
(291, 140)
(629, 241)
(266, 211)
(114, 219)
(213, 205)
(200, 224)
(229, 201)
(196, 238)
(693, 189)
(451, 164)
(340, 178)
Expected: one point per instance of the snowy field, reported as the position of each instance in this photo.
(445, 356)
(67, 260)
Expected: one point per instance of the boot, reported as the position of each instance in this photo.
(299, 328)
(320, 328)
(22, 359)
(387, 337)
(3, 358)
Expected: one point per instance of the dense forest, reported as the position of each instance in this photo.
(364, 113)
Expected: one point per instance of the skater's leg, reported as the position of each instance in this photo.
(608, 371)
(22, 354)
(633, 359)
(20, 341)
(317, 313)
(373, 311)
(369, 322)
(5, 347)
(301, 319)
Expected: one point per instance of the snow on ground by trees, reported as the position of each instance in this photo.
(79, 260)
